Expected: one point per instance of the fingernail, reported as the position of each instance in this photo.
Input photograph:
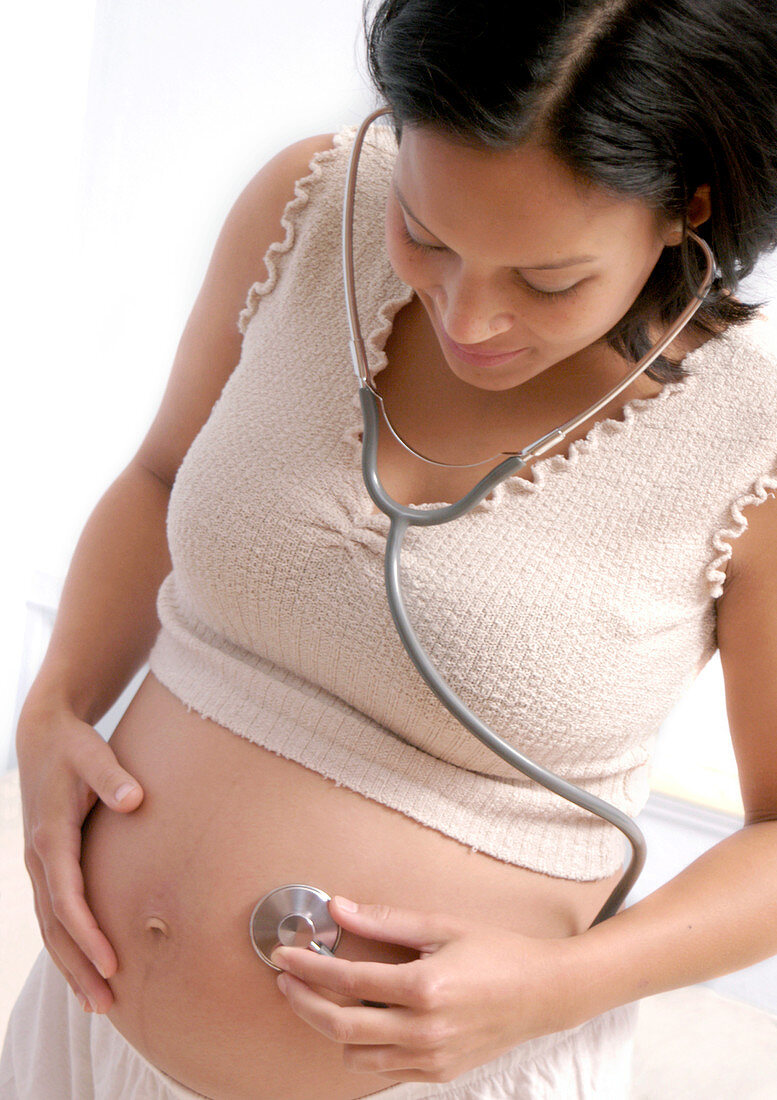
(277, 958)
(344, 903)
(83, 1002)
(100, 969)
(123, 791)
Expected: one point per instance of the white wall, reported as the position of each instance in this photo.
(133, 125)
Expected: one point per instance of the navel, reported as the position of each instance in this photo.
(158, 926)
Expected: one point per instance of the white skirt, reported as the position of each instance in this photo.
(54, 1050)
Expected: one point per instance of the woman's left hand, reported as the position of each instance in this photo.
(475, 992)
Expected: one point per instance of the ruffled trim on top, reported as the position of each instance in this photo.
(289, 217)
(757, 494)
(597, 434)
(540, 468)
(377, 359)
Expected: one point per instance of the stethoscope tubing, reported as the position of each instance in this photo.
(400, 521)
(403, 516)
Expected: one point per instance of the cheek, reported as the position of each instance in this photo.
(569, 326)
(614, 297)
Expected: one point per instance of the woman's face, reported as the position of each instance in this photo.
(485, 226)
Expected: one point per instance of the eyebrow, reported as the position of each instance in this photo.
(571, 262)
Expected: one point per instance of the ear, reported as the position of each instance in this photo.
(699, 210)
(700, 207)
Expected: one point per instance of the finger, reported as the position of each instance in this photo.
(60, 854)
(35, 871)
(398, 1075)
(425, 931)
(343, 1024)
(96, 763)
(386, 983)
(79, 973)
(92, 992)
(397, 1063)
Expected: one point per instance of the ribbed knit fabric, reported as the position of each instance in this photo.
(570, 611)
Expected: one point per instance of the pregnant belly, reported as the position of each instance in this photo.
(223, 822)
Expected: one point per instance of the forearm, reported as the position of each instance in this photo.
(715, 917)
(106, 621)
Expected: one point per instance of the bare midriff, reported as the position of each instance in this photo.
(224, 821)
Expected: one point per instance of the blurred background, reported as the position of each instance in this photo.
(132, 127)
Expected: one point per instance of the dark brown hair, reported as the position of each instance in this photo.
(647, 99)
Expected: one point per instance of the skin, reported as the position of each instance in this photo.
(490, 216)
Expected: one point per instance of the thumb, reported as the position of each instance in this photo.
(113, 785)
(414, 928)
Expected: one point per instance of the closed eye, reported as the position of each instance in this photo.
(547, 294)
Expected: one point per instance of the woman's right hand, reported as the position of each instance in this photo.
(64, 767)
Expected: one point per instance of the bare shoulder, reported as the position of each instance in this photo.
(266, 194)
(754, 552)
(210, 345)
(747, 640)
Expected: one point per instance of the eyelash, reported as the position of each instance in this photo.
(547, 294)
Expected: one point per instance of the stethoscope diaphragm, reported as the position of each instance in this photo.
(296, 916)
(293, 916)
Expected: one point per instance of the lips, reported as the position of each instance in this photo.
(469, 356)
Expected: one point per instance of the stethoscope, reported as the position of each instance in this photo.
(298, 914)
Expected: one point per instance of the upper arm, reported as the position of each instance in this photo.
(747, 640)
(209, 348)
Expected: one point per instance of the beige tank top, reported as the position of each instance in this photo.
(570, 611)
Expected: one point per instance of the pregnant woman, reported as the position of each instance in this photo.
(521, 240)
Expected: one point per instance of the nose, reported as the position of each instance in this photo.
(471, 314)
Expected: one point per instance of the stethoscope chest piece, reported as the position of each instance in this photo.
(292, 916)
